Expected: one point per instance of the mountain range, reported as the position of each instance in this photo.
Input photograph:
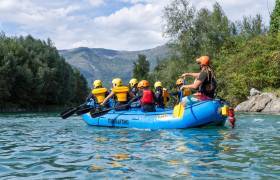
(106, 64)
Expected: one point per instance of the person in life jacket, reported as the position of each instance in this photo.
(161, 95)
(147, 99)
(133, 83)
(205, 80)
(136, 99)
(179, 84)
(179, 94)
(98, 93)
(120, 94)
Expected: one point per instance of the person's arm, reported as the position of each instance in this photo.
(195, 75)
(107, 93)
(131, 94)
(199, 80)
(195, 85)
(134, 98)
(107, 98)
(89, 96)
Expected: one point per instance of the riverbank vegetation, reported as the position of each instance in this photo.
(34, 76)
(245, 54)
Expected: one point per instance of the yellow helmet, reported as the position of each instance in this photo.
(158, 84)
(97, 83)
(179, 81)
(117, 82)
(133, 82)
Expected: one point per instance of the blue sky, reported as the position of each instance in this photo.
(113, 24)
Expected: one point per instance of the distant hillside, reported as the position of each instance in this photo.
(105, 64)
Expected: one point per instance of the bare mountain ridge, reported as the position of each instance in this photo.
(106, 64)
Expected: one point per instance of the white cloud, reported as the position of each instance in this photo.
(32, 16)
(137, 1)
(138, 17)
(96, 3)
(236, 9)
(6, 4)
(70, 23)
(137, 27)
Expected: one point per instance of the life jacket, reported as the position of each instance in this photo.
(99, 94)
(147, 97)
(165, 95)
(186, 92)
(121, 93)
(208, 87)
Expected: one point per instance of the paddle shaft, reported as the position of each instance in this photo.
(69, 112)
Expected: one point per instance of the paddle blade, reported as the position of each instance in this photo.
(68, 113)
(179, 110)
(101, 113)
(83, 111)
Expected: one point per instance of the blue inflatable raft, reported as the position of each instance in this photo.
(197, 115)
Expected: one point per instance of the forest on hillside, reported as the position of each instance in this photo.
(34, 76)
(245, 54)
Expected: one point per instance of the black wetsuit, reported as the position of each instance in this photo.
(159, 97)
(134, 91)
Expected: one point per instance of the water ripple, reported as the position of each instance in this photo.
(42, 146)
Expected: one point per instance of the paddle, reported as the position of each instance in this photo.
(85, 110)
(69, 112)
(64, 112)
(101, 113)
(88, 109)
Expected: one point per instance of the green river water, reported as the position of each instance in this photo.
(43, 146)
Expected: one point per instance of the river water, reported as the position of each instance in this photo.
(43, 146)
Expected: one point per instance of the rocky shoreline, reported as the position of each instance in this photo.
(260, 102)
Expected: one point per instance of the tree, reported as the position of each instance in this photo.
(193, 33)
(33, 74)
(179, 16)
(196, 32)
(260, 67)
(251, 26)
(141, 68)
(243, 55)
(275, 18)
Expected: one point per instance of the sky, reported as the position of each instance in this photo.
(111, 24)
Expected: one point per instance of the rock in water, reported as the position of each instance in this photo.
(273, 106)
(254, 92)
(246, 105)
(265, 102)
(261, 101)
